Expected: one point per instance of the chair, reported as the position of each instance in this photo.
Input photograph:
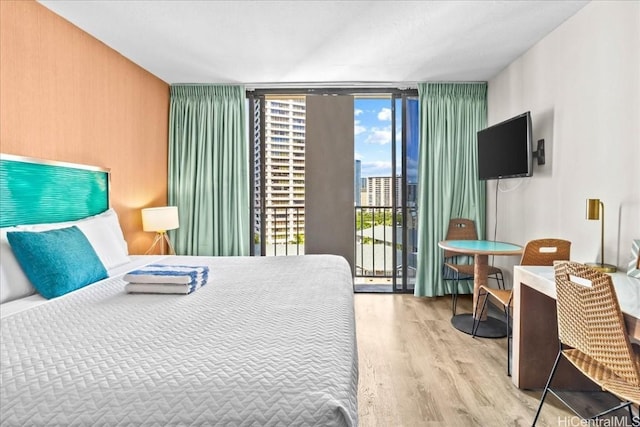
(456, 267)
(536, 252)
(593, 337)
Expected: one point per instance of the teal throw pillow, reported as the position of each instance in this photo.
(57, 261)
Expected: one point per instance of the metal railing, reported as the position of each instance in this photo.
(377, 241)
(284, 230)
(378, 238)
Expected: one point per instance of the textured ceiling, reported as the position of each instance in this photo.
(266, 43)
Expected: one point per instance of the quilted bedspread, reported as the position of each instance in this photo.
(269, 341)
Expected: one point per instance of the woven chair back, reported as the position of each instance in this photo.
(460, 229)
(545, 251)
(590, 320)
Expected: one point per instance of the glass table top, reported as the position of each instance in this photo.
(481, 246)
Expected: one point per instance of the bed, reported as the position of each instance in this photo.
(268, 341)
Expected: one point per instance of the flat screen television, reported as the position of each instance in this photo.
(505, 149)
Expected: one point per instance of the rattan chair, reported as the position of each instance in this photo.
(593, 336)
(456, 266)
(536, 252)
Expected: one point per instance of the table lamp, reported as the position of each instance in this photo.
(160, 220)
(594, 209)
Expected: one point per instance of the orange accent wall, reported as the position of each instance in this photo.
(66, 96)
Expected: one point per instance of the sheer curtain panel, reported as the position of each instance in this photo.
(209, 169)
(448, 187)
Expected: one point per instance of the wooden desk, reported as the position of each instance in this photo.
(535, 327)
(480, 249)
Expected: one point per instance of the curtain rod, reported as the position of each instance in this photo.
(408, 85)
(329, 85)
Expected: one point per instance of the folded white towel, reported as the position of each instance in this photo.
(165, 288)
(169, 274)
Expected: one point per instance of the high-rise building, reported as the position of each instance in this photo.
(379, 192)
(284, 124)
(357, 182)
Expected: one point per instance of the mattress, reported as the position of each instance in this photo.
(8, 308)
(269, 341)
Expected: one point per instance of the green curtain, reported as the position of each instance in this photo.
(209, 169)
(448, 185)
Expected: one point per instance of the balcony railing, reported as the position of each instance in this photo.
(377, 249)
(285, 230)
(376, 256)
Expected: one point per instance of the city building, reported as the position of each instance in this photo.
(379, 191)
(284, 169)
(357, 182)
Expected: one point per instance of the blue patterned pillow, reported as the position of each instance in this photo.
(56, 261)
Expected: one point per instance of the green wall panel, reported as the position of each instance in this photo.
(34, 192)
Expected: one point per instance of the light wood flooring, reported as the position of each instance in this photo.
(417, 370)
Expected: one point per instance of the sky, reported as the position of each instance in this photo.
(372, 128)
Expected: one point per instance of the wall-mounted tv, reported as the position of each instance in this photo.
(505, 149)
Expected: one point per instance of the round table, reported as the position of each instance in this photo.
(489, 327)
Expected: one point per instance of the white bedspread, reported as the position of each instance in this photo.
(269, 341)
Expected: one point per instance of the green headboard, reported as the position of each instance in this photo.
(41, 191)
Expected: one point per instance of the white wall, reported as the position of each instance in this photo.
(582, 86)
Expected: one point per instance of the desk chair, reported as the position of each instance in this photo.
(455, 266)
(593, 337)
(536, 252)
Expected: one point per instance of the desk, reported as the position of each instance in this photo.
(480, 249)
(535, 327)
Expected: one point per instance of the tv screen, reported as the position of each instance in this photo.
(505, 149)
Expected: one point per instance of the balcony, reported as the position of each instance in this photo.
(375, 253)
(377, 260)
(284, 230)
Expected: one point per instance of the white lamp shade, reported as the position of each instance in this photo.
(160, 219)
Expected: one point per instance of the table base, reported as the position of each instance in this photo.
(489, 328)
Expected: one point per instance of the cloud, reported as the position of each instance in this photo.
(357, 156)
(384, 114)
(379, 136)
(376, 168)
(357, 112)
(358, 128)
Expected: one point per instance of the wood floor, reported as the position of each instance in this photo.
(417, 370)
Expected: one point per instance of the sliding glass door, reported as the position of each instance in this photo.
(381, 130)
(385, 168)
(409, 172)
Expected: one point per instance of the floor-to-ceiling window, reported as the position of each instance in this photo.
(386, 157)
(279, 175)
(383, 141)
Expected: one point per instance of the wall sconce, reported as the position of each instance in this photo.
(160, 220)
(595, 210)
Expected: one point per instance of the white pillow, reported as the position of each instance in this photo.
(103, 232)
(14, 284)
(105, 235)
